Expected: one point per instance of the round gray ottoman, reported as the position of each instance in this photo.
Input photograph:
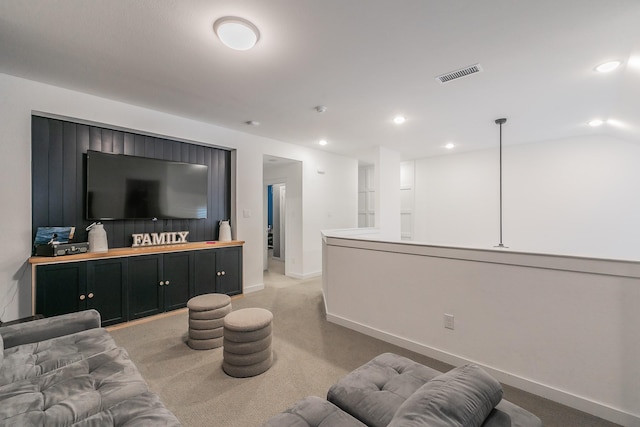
(206, 320)
(247, 342)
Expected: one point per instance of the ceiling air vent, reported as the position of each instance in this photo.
(472, 69)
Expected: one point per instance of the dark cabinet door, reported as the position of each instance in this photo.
(60, 288)
(229, 271)
(107, 289)
(145, 289)
(177, 277)
(218, 271)
(204, 276)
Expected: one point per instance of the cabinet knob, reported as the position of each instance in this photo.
(82, 297)
(90, 295)
(166, 283)
(223, 272)
(218, 273)
(161, 283)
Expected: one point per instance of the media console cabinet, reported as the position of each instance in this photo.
(129, 283)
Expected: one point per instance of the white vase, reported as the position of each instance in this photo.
(225, 232)
(97, 238)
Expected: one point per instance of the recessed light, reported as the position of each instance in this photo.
(322, 142)
(596, 122)
(236, 33)
(607, 66)
(399, 120)
(449, 145)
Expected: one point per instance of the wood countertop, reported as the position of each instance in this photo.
(141, 250)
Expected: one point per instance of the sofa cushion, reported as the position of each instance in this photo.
(72, 393)
(31, 360)
(313, 412)
(373, 392)
(143, 410)
(462, 397)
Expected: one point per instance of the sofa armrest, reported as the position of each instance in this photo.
(313, 412)
(51, 327)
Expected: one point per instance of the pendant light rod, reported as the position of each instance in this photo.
(500, 122)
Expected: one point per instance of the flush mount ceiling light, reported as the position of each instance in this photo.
(616, 123)
(322, 142)
(607, 66)
(399, 120)
(449, 146)
(596, 122)
(236, 33)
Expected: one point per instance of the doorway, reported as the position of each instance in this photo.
(282, 183)
(276, 227)
(275, 214)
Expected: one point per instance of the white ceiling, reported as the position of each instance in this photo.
(365, 60)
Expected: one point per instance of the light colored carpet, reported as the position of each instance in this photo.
(310, 355)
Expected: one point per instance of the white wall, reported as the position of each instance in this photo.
(330, 186)
(573, 197)
(387, 196)
(334, 192)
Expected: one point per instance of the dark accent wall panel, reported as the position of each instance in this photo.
(59, 169)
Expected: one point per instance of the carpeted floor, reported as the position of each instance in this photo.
(310, 355)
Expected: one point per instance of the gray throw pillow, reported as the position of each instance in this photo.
(462, 397)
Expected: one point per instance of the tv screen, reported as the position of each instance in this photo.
(130, 187)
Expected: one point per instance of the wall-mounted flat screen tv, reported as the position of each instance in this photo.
(131, 187)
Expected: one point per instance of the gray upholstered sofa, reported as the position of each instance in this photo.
(67, 370)
(394, 391)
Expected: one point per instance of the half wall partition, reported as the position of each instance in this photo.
(561, 327)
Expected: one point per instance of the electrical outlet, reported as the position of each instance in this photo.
(448, 321)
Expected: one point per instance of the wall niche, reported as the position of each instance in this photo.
(58, 174)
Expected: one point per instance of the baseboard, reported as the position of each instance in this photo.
(146, 319)
(253, 288)
(305, 276)
(577, 402)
